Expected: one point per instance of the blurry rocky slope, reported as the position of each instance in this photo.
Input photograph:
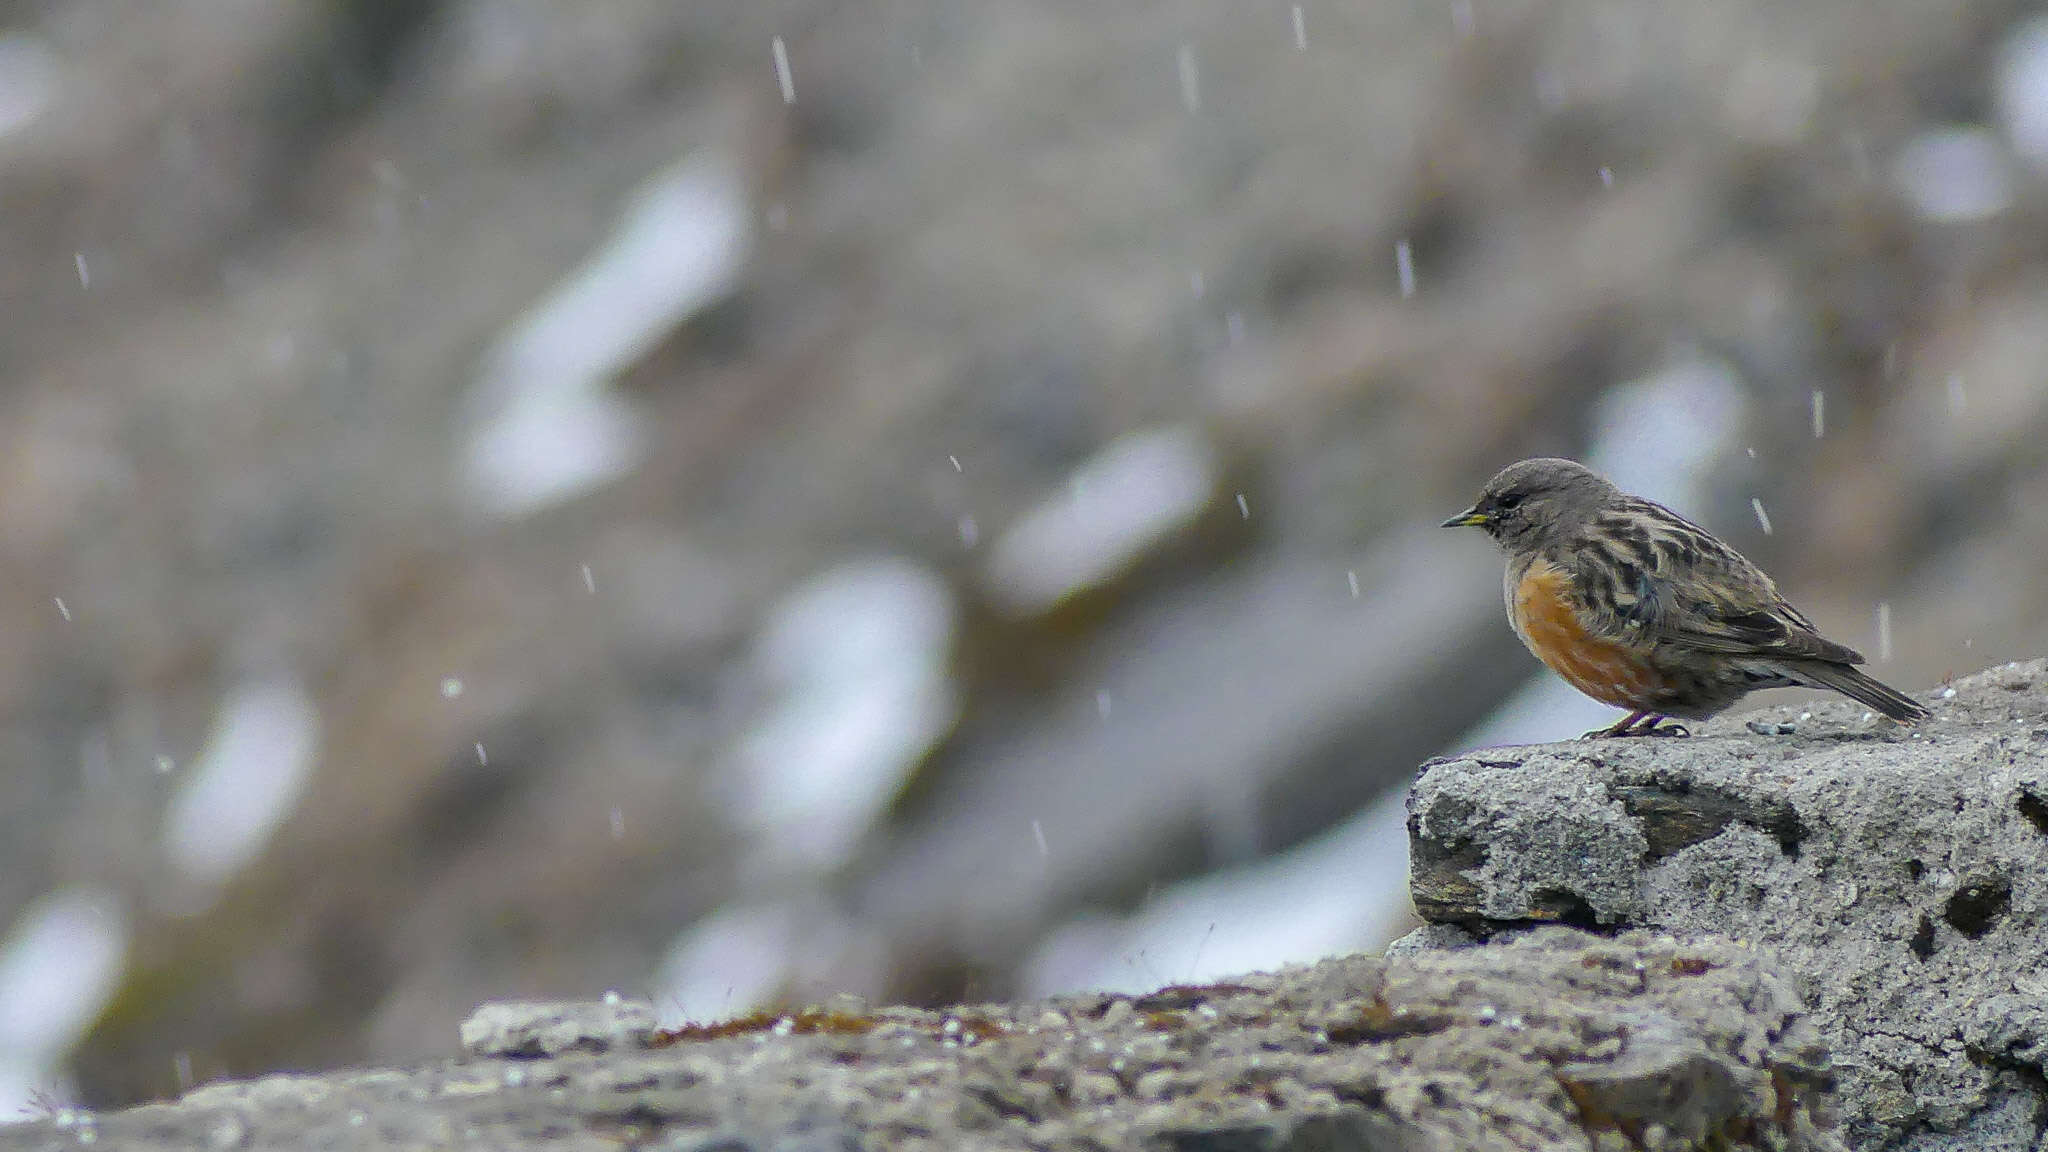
(491, 486)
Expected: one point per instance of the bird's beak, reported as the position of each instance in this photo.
(1470, 518)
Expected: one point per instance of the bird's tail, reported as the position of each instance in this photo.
(1863, 689)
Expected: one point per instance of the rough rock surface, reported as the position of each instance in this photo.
(1902, 874)
(1559, 1040)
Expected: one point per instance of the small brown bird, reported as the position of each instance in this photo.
(1642, 609)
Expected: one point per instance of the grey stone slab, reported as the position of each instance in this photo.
(1902, 874)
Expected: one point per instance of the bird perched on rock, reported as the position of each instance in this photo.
(1642, 609)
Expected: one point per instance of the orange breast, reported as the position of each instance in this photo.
(1541, 606)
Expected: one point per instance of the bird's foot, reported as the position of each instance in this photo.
(1623, 727)
(1638, 724)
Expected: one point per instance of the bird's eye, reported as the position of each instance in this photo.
(1507, 501)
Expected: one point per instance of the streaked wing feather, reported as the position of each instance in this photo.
(1761, 633)
(1649, 571)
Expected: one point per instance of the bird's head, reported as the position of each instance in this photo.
(1527, 502)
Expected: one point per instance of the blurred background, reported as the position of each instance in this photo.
(736, 501)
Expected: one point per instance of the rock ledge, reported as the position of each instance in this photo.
(1558, 1040)
(1902, 875)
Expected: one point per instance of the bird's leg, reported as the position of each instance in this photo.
(1655, 726)
(1638, 723)
(1621, 729)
